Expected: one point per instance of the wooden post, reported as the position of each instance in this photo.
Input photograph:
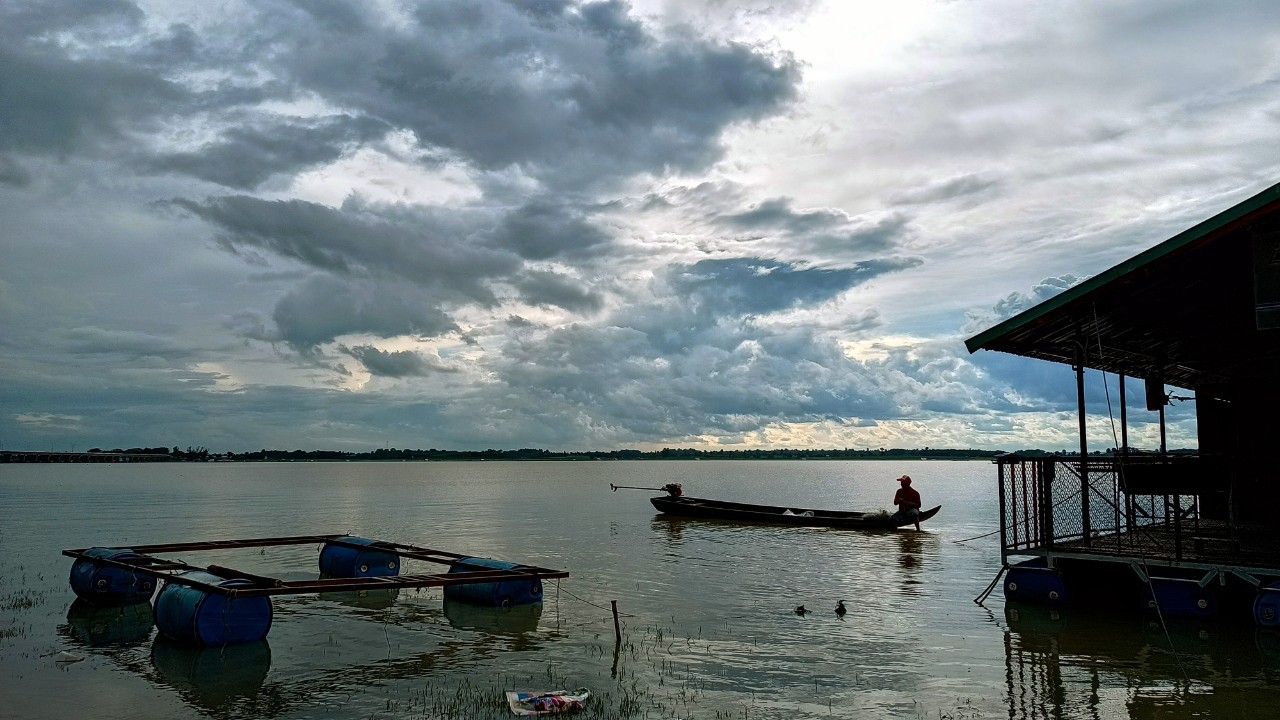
(617, 629)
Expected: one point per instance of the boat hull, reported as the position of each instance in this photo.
(779, 515)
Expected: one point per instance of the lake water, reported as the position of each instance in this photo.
(707, 608)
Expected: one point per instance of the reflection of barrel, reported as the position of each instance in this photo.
(106, 584)
(100, 626)
(506, 593)
(1268, 642)
(1033, 581)
(193, 615)
(1266, 606)
(212, 677)
(1179, 597)
(513, 620)
(369, 560)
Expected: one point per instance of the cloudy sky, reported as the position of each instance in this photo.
(474, 224)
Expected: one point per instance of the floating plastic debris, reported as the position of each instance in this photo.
(547, 703)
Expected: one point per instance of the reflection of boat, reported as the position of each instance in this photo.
(504, 620)
(212, 677)
(779, 515)
(100, 626)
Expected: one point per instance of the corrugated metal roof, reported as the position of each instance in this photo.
(1181, 312)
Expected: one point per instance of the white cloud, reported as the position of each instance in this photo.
(469, 223)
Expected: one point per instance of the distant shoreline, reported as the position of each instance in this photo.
(523, 455)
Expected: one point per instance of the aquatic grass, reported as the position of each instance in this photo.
(21, 600)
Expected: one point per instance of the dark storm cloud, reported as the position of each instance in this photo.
(425, 247)
(324, 308)
(751, 286)
(823, 231)
(778, 213)
(11, 173)
(128, 344)
(573, 95)
(40, 20)
(547, 288)
(397, 364)
(52, 104)
(245, 157)
(543, 229)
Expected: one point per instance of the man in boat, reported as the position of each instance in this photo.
(908, 502)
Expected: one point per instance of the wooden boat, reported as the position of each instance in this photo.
(778, 515)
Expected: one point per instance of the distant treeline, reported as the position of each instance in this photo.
(201, 454)
(395, 454)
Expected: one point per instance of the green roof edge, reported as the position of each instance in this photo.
(1182, 239)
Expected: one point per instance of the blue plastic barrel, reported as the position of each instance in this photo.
(369, 560)
(1266, 607)
(495, 594)
(106, 584)
(1179, 597)
(194, 615)
(1033, 581)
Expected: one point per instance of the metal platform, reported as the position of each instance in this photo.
(254, 585)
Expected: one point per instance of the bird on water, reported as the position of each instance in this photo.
(840, 609)
(800, 610)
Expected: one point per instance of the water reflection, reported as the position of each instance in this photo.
(669, 528)
(1075, 663)
(911, 550)
(370, 599)
(212, 677)
(515, 620)
(92, 625)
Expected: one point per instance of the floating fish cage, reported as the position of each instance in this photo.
(215, 605)
(1185, 593)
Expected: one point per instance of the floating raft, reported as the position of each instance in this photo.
(216, 605)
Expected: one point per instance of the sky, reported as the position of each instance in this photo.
(471, 224)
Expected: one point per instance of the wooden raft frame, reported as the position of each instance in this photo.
(261, 585)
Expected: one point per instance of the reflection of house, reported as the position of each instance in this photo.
(1200, 312)
(1072, 663)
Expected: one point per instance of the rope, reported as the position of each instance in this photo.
(976, 537)
(1160, 616)
(1115, 442)
(990, 588)
(588, 602)
(1145, 569)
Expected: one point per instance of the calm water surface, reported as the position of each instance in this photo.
(708, 624)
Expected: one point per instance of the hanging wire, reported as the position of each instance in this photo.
(1145, 570)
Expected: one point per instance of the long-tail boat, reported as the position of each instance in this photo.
(781, 515)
